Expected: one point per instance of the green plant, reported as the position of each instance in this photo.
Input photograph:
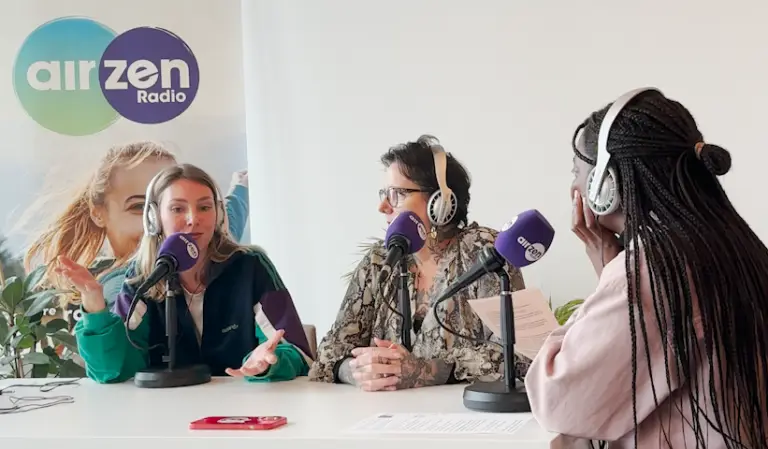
(562, 313)
(25, 339)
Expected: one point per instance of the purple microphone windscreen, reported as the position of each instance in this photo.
(409, 226)
(525, 239)
(182, 248)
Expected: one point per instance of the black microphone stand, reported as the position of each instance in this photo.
(507, 395)
(405, 304)
(172, 375)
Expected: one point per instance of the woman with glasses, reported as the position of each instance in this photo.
(363, 346)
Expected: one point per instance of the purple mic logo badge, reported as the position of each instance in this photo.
(533, 251)
(191, 247)
(419, 227)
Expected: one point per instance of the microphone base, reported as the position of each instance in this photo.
(184, 376)
(496, 397)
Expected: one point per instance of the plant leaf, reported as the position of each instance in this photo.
(3, 328)
(65, 338)
(51, 353)
(22, 341)
(564, 312)
(8, 337)
(71, 369)
(40, 371)
(56, 325)
(12, 293)
(39, 301)
(36, 358)
(40, 333)
(33, 278)
(22, 324)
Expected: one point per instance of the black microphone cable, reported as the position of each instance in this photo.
(453, 332)
(387, 299)
(131, 309)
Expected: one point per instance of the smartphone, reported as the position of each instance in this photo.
(238, 423)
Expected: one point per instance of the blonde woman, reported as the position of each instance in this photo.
(240, 319)
(108, 210)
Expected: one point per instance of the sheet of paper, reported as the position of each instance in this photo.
(534, 320)
(453, 423)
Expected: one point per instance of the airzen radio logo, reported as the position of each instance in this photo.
(76, 76)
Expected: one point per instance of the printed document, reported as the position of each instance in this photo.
(534, 320)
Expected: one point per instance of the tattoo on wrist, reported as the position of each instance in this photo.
(424, 373)
(345, 372)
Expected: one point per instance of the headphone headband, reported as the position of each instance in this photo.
(441, 168)
(442, 205)
(603, 157)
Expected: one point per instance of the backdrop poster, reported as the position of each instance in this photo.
(83, 78)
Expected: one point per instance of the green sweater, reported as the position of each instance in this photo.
(102, 341)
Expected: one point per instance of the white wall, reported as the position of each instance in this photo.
(331, 85)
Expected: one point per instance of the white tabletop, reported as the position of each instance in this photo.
(122, 416)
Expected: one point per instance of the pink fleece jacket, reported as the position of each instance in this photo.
(580, 384)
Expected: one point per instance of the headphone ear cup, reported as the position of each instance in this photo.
(439, 211)
(221, 214)
(607, 200)
(153, 222)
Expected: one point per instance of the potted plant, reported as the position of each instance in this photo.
(562, 313)
(32, 344)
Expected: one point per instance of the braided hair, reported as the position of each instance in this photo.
(677, 210)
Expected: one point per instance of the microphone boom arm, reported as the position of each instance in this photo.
(508, 395)
(507, 329)
(405, 305)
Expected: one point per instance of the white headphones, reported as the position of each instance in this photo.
(151, 216)
(602, 183)
(442, 204)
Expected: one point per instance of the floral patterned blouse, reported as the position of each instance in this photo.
(364, 314)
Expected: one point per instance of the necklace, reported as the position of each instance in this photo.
(199, 289)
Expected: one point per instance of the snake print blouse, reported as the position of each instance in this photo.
(365, 314)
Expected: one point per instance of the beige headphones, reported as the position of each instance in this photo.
(442, 204)
(602, 183)
(151, 216)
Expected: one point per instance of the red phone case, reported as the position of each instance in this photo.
(238, 423)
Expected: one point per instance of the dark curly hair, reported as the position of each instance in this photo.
(417, 164)
(676, 208)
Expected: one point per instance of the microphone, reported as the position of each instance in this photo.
(405, 235)
(176, 254)
(513, 245)
(521, 242)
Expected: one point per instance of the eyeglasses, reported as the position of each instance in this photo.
(393, 194)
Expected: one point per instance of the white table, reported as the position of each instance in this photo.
(122, 416)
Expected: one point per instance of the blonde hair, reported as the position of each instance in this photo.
(74, 234)
(221, 247)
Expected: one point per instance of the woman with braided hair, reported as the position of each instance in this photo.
(670, 350)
